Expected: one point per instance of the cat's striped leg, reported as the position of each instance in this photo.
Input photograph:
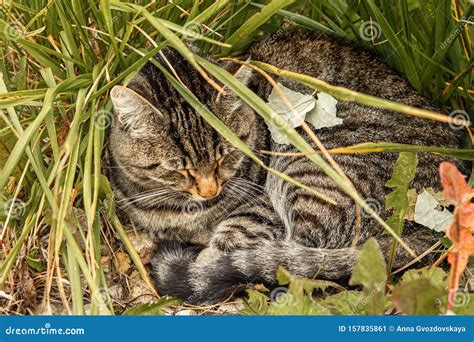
(247, 227)
(223, 266)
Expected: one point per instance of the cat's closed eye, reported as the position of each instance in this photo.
(171, 165)
(151, 166)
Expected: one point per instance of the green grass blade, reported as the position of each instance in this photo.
(397, 45)
(248, 29)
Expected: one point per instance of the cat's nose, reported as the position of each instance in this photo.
(207, 186)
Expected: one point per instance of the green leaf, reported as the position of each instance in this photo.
(153, 308)
(255, 304)
(301, 287)
(33, 261)
(296, 299)
(436, 275)
(421, 291)
(105, 9)
(294, 306)
(370, 265)
(210, 11)
(464, 303)
(343, 303)
(403, 173)
(370, 272)
(25, 138)
(418, 297)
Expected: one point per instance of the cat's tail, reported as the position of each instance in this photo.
(212, 278)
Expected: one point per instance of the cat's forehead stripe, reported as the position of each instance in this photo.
(193, 138)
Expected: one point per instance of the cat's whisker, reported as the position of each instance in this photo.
(249, 184)
(146, 197)
(148, 201)
(248, 187)
(237, 191)
(246, 181)
(167, 200)
(144, 194)
(248, 191)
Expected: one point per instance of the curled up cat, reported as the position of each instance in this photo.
(222, 222)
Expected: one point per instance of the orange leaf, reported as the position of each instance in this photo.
(455, 188)
(462, 238)
(459, 193)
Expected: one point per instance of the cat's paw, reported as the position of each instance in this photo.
(225, 240)
(207, 253)
(229, 240)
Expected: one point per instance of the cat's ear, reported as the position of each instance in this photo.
(133, 112)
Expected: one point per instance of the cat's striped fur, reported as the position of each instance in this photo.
(250, 222)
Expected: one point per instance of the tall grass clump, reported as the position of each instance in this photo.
(62, 247)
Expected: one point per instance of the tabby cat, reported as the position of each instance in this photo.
(222, 222)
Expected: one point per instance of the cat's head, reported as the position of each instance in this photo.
(160, 142)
